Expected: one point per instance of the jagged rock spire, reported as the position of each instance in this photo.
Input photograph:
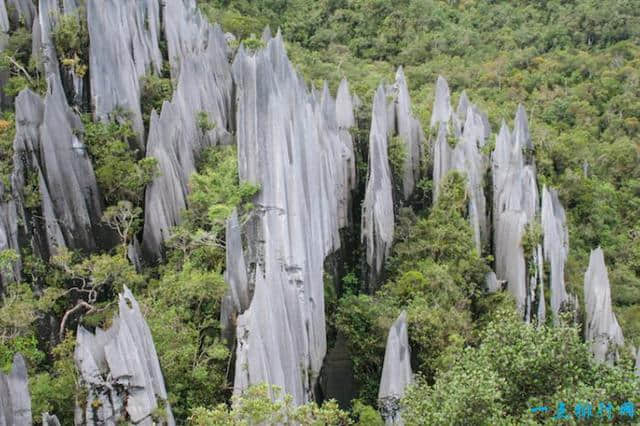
(15, 402)
(119, 368)
(377, 208)
(396, 371)
(516, 204)
(601, 326)
(556, 246)
(123, 48)
(408, 128)
(293, 146)
(469, 128)
(175, 140)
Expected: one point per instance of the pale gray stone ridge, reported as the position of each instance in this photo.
(377, 208)
(556, 246)
(48, 145)
(236, 301)
(408, 128)
(469, 127)
(289, 144)
(204, 86)
(15, 402)
(442, 105)
(396, 371)
(516, 204)
(8, 235)
(23, 10)
(601, 326)
(119, 368)
(491, 282)
(50, 420)
(123, 48)
(4, 18)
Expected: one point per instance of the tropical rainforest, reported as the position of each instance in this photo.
(575, 67)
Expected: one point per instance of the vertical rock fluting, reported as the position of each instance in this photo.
(470, 129)
(516, 204)
(290, 145)
(175, 139)
(601, 326)
(51, 163)
(123, 48)
(377, 208)
(8, 235)
(396, 371)
(408, 128)
(15, 402)
(556, 246)
(120, 370)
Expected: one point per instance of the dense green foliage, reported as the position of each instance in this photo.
(119, 172)
(517, 367)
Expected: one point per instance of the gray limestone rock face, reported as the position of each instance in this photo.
(236, 301)
(396, 371)
(48, 150)
(289, 144)
(556, 245)
(23, 10)
(15, 402)
(203, 87)
(4, 17)
(8, 235)
(377, 208)
(408, 128)
(123, 48)
(50, 420)
(469, 128)
(516, 204)
(601, 326)
(119, 368)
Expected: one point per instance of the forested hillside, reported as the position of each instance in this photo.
(145, 153)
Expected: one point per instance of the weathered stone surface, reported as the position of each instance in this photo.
(203, 87)
(24, 10)
(601, 326)
(408, 128)
(8, 235)
(119, 368)
(49, 420)
(236, 301)
(556, 246)
(48, 150)
(516, 204)
(290, 145)
(123, 48)
(469, 128)
(4, 18)
(15, 402)
(396, 371)
(377, 208)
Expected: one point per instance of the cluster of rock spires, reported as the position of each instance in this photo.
(296, 145)
(388, 120)
(119, 368)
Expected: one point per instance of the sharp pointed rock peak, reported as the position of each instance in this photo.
(123, 48)
(204, 89)
(377, 208)
(404, 125)
(291, 145)
(442, 103)
(601, 326)
(119, 368)
(556, 246)
(15, 402)
(396, 371)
